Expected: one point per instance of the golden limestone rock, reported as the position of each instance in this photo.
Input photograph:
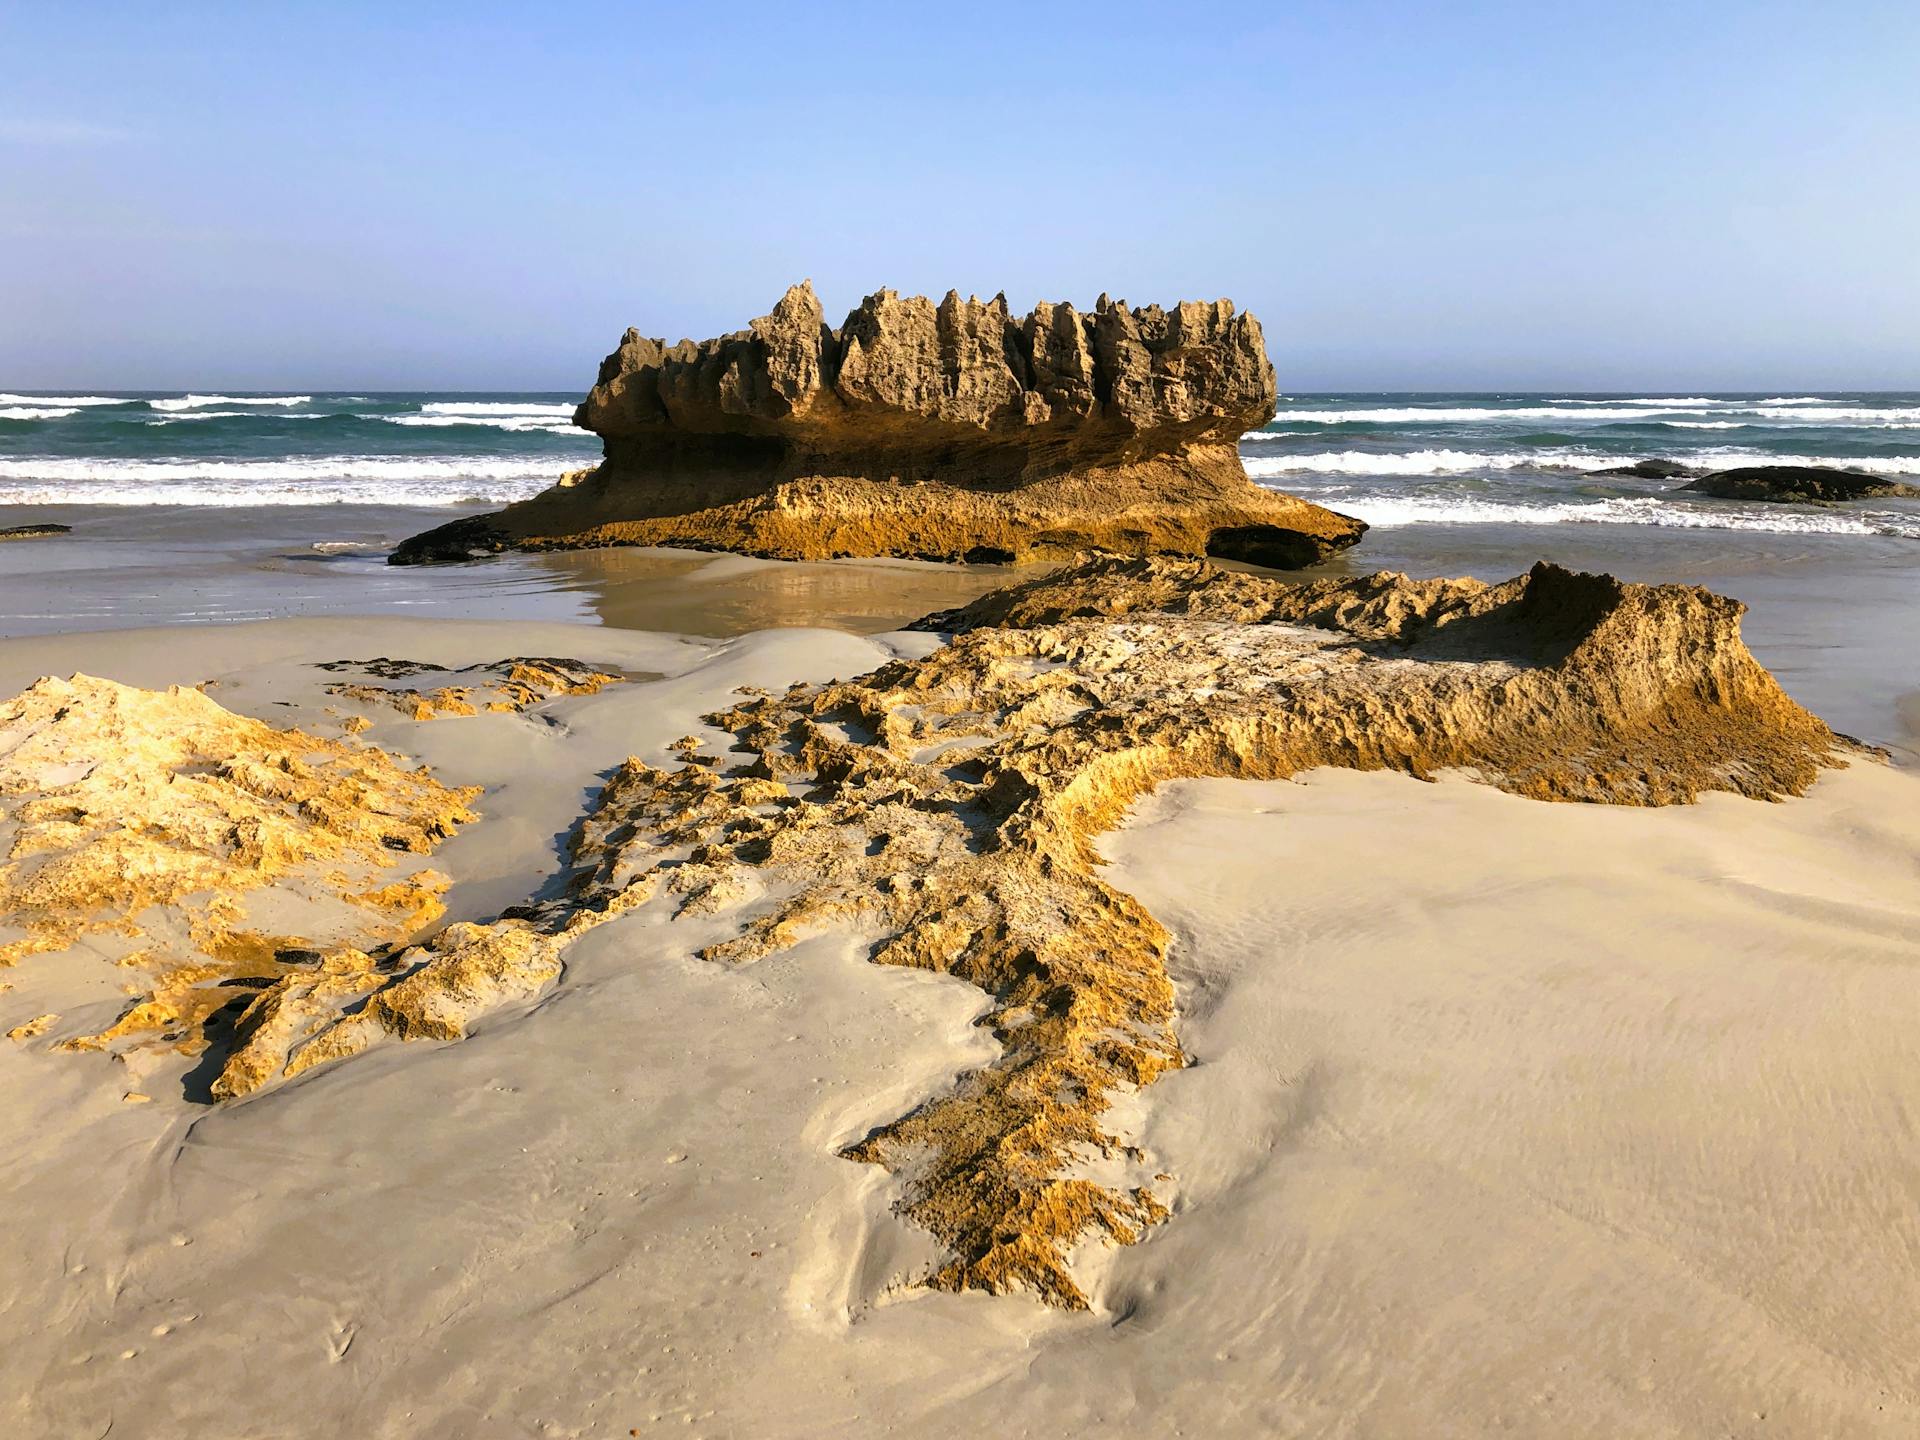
(949, 807)
(144, 817)
(952, 803)
(428, 992)
(954, 430)
(501, 686)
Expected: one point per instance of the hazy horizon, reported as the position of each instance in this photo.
(1594, 199)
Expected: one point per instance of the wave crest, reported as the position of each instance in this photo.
(201, 402)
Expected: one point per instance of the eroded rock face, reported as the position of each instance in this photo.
(950, 806)
(949, 431)
(953, 803)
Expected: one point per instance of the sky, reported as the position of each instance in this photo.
(1673, 196)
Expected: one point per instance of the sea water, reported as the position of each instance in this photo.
(1392, 460)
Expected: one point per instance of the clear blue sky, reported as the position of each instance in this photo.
(1461, 195)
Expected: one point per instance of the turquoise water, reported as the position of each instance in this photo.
(238, 449)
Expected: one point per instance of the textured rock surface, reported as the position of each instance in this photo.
(1805, 484)
(949, 806)
(950, 431)
(143, 818)
(34, 532)
(501, 686)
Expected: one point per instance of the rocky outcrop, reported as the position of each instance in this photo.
(948, 807)
(1801, 484)
(34, 532)
(141, 820)
(951, 804)
(949, 431)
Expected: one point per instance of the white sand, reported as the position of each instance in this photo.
(1507, 1118)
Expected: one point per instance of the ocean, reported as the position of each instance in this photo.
(369, 448)
(1392, 460)
(197, 508)
(1439, 459)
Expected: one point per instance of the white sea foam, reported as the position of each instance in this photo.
(1797, 400)
(495, 407)
(1465, 462)
(1773, 410)
(1670, 401)
(38, 412)
(1455, 415)
(181, 417)
(358, 480)
(1418, 462)
(1833, 414)
(520, 423)
(201, 402)
(1385, 510)
(64, 401)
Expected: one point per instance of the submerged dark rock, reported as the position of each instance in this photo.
(34, 532)
(1804, 484)
(1653, 470)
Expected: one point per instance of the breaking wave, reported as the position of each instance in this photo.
(64, 401)
(1663, 513)
(1774, 410)
(201, 402)
(359, 480)
(521, 423)
(1465, 462)
(495, 407)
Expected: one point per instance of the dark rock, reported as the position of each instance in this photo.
(1805, 484)
(1653, 470)
(34, 532)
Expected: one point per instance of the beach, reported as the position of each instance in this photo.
(1472, 1112)
(1570, 1119)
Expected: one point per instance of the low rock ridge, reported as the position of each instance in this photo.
(949, 806)
(952, 431)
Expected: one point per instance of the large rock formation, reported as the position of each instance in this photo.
(956, 431)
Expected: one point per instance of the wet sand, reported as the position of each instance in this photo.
(1833, 616)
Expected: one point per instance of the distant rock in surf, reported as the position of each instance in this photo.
(1803, 484)
(34, 532)
(952, 431)
(1653, 470)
